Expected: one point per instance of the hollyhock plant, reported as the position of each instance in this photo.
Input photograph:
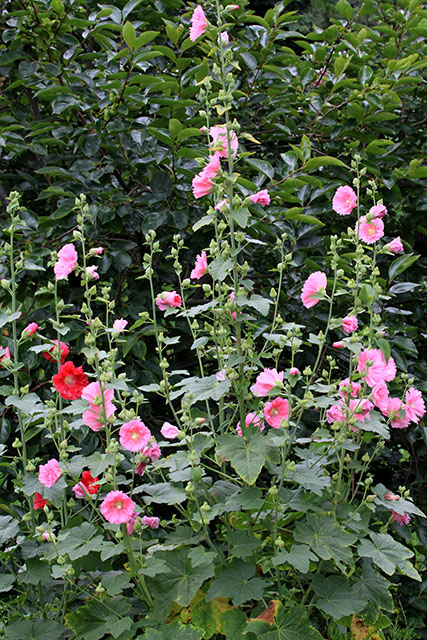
(49, 473)
(369, 230)
(86, 486)
(120, 324)
(152, 451)
(344, 387)
(372, 361)
(70, 381)
(349, 324)
(224, 38)
(220, 140)
(378, 211)
(93, 393)
(266, 381)
(414, 406)
(251, 420)
(200, 267)
(396, 412)
(202, 183)
(395, 245)
(95, 417)
(168, 299)
(140, 468)
(117, 507)
(276, 411)
(30, 329)
(222, 204)
(199, 23)
(344, 201)
(52, 352)
(39, 501)
(130, 524)
(294, 371)
(134, 435)
(379, 395)
(169, 431)
(92, 272)
(401, 519)
(151, 521)
(315, 283)
(261, 197)
(338, 345)
(67, 261)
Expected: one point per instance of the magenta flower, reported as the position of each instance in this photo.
(199, 23)
(117, 507)
(401, 519)
(152, 451)
(414, 407)
(369, 230)
(49, 473)
(92, 272)
(267, 381)
(344, 201)
(349, 324)
(315, 283)
(380, 396)
(261, 197)
(377, 370)
(220, 141)
(294, 371)
(119, 324)
(30, 329)
(251, 420)
(134, 435)
(396, 412)
(336, 413)
(202, 183)
(5, 354)
(276, 411)
(396, 245)
(338, 345)
(168, 299)
(130, 524)
(151, 521)
(169, 431)
(378, 211)
(140, 468)
(200, 267)
(67, 261)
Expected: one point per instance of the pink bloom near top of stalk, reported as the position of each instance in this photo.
(202, 183)
(276, 411)
(134, 435)
(378, 370)
(396, 245)
(67, 261)
(30, 329)
(344, 385)
(168, 299)
(396, 412)
(95, 417)
(151, 521)
(92, 272)
(370, 230)
(117, 507)
(261, 197)
(251, 420)
(199, 23)
(219, 137)
(294, 371)
(221, 204)
(152, 451)
(120, 324)
(200, 267)
(344, 201)
(378, 210)
(380, 396)
(169, 431)
(315, 283)
(92, 393)
(267, 381)
(349, 324)
(414, 407)
(401, 519)
(49, 473)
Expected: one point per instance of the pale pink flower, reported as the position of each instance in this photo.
(224, 38)
(221, 204)
(134, 435)
(378, 211)
(349, 324)
(251, 420)
(80, 491)
(276, 411)
(338, 345)
(199, 23)
(377, 369)
(120, 324)
(233, 6)
(380, 396)
(261, 197)
(221, 375)
(117, 507)
(391, 496)
(96, 251)
(151, 521)
(49, 473)
(92, 272)
(231, 298)
(152, 451)
(344, 201)
(200, 267)
(294, 371)
(131, 523)
(360, 409)
(315, 283)
(30, 329)
(169, 431)
(140, 468)
(401, 519)
(95, 418)
(266, 381)
(220, 140)
(344, 386)
(92, 393)
(396, 412)
(5, 354)
(202, 183)
(47, 536)
(336, 413)
(396, 245)
(67, 261)
(168, 299)
(370, 230)
(414, 407)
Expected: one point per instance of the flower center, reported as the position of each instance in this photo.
(118, 504)
(273, 412)
(68, 380)
(371, 229)
(135, 435)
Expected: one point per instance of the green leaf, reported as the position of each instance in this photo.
(8, 317)
(234, 624)
(298, 556)
(174, 127)
(386, 553)
(145, 38)
(161, 185)
(261, 165)
(344, 8)
(365, 74)
(162, 493)
(129, 35)
(9, 527)
(400, 264)
(305, 148)
(373, 587)
(236, 581)
(326, 537)
(37, 571)
(242, 543)
(130, 6)
(219, 268)
(77, 542)
(241, 216)
(322, 161)
(115, 582)
(6, 582)
(175, 631)
(35, 630)
(384, 346)
(335, 596)
(287, 624)
(89, 622)
(246, 456)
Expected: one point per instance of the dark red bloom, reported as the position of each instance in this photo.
(39, 501)
(70, 381)
(51, 354)
(88, 482)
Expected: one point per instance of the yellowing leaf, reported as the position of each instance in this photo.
(361, 632)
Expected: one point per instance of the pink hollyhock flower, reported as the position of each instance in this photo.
(369, 230)
(200, 267)
(140, 468)
(169, 431)
(336, 413)
(221, 204)
(202, 183)
(401, 519)
(30, 329)
(377, 369)
(378, 210)
(92, 393)
(220, 141)
(349, 324)
(49, 537)
(360, 409)
(414, 407)
(344, 386)
(96, 251)
(380, 396)
(86, 486)
(49, 473)
(117, 507)
(221, 375)
(224, 38)
(152, 451)
(396, 245)
(120, 324)
(344, 201)
(199, 23)
(95, 417)
(267, 381)
(168, 299)
(231, 298)
(276, 411)
(134, 435)
(315, 283)
(92, 272)
(391, 496)
(5, 355)
(396, 412)
(338, 345)
(251, 420)
(294, 371)
(261, 197)
(130, 524)
(67, 261)
(151, 521)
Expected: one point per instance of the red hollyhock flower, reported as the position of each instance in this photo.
(70, 381)
(52, 352)
(39, 501)
(88, 482)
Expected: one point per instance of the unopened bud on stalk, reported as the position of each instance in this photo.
(5, 283)
(16, 444)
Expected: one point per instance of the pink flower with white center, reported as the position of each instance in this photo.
(152, 451)
(349, 324)
(200, 267)
(369, 230)
(49, 473)
(338, 345)
(220, 140)
(222, 204)
(396, 245)
(276, 411)
(344, 201)
(140, 468)
(251, 420)
(30, 329)
(396, 412)
(5, 354)
(168, 299)
(130, 524)
(92, 272)
(344, 387)
(224, 38)
(169, 431)
(120, 324)
(151, 521)
(414, 407)
(378, 210)
(202, 183)
(315, 283)
(199, 23)
(92, 393)
(261, 197)
(401, 519)
(377, 370)
(134, 435)
(67, 261)
(294, 371)
(117, 507)
(266, 381)
(380, 396)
